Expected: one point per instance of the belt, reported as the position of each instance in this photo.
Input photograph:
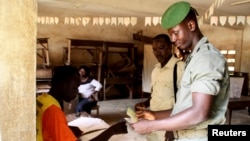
(180, 134)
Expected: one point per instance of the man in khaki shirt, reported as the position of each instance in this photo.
(162, 86)
(162, 83)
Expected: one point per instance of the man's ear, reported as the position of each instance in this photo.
(191, 25)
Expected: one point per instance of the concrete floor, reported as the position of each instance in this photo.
(114, 110)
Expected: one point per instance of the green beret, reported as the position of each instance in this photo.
(175, 14)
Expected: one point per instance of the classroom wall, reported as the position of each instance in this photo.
(58, 33)
(18, 60)
(228, 37)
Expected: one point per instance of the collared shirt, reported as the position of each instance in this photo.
(162, 96)
(206, 72)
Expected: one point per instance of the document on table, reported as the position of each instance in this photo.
(89, 123)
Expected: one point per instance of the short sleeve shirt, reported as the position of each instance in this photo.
(206, 72)
(162, 96)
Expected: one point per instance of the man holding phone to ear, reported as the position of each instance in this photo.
(203, 95)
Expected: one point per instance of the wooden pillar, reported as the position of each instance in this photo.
(68, 62)
(18, 32)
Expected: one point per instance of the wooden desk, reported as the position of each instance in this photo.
(236, 104)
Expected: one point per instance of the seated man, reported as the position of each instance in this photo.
(51, 122)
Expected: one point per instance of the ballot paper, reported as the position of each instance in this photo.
(132, 116)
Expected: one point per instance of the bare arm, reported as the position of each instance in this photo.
(198, 112)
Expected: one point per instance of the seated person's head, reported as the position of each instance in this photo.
(65, 82)
(84, 71)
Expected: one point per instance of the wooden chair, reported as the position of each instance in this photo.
(97, 109)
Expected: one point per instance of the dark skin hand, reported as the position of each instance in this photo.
(184, 36)
(141, 106)
(181, 120)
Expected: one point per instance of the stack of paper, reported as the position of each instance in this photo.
(87, 124)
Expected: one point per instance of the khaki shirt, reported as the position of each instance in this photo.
(162, 96)
(206, 72)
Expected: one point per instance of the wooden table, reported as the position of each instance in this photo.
(236, 104)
